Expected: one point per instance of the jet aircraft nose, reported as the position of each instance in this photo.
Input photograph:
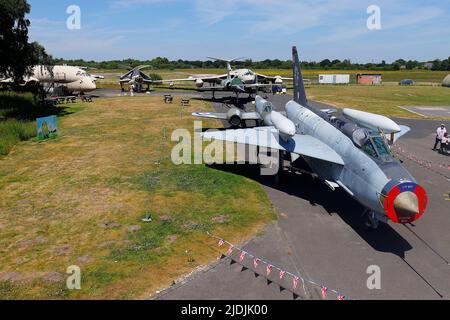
(404, 202)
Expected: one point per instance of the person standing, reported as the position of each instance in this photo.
(440, 132)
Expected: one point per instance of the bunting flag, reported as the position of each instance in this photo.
(324, 292)
(255, 262)
(296, 282)
(269, 269)
(241, 258)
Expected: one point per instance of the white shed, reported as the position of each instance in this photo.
(334, 79)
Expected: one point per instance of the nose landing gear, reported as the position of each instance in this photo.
(371, 220)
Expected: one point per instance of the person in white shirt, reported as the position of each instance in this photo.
(440, 132)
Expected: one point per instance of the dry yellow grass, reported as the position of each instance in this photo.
(79, 200)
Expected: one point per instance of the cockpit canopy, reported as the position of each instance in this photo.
(373, 145)
(83, 74)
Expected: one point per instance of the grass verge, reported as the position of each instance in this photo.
(80, 200)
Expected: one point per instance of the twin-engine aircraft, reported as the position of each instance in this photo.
(350, 151)
(62, 80)
(235, 80)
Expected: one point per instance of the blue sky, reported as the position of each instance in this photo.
(255, 29)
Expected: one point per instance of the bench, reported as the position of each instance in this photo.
(185, 102)
(168, 98)
(86, 99)
(50, 102)
(61, 100)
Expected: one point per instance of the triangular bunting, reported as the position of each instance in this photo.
(269, 282)
(282, 289)
(222, 257)
(256, 275)
(255, 262)
(241, 258)
(232, 262)
(244, 269)
(324, 292)
(295, 296)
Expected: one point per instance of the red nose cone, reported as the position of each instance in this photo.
(406, 203)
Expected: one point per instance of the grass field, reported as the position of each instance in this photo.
(383, 100)
(80, 200)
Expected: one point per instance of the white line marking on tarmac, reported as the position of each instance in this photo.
(405, 108)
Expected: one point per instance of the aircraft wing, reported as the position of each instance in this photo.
(268, 137)
(25, 81)
(400, 134)
(193, 79)
(224, 116)
(96, 76)
(271, 78)
(211, 115)
(258, 85)
(126, 76)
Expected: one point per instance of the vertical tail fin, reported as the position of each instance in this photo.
(299, 86)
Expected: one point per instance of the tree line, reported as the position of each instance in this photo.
(327, 64)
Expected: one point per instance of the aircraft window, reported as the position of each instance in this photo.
(381, 147)
(369, 149)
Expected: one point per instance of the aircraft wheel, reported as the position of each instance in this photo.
(371, 222)
(235, 122)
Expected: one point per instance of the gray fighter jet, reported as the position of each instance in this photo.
(349, 151)
(136, 78)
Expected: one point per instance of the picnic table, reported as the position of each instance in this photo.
(86, 99)
(65, 100)
(51, 102)
(185, 102)
(168, 98)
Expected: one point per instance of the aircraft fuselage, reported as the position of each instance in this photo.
(377, 181)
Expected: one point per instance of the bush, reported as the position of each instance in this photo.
(155, 76)
(13, 131)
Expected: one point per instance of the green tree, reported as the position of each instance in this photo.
(17, 55)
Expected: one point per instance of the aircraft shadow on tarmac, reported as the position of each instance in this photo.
(384, 239)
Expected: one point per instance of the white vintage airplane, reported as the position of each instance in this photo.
(64, 80)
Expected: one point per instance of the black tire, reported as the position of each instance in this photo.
(235, 122)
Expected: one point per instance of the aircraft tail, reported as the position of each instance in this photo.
(299, 86)
(229, 62)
